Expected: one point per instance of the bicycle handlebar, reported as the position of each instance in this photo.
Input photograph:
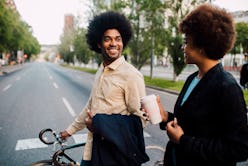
(61, 152)
(42, 138)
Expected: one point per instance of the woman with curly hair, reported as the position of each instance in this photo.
(112, 114)
(209, 123)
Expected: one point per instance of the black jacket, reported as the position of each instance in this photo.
(118, 141)
(244, 75)
(214, 121)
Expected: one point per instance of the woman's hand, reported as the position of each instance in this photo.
(174, 131)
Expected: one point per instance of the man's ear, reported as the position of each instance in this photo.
(98, 45)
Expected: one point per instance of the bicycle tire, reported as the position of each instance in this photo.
(42, 163)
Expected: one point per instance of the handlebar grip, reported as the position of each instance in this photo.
(42, 138)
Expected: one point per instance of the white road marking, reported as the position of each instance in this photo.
(146, 134)
(29, 144)
(50, 77)
(155, 147)
(68, 106)
(7, 87)
(55, 85)
(79, 138)
(18, 78)
(33, 143)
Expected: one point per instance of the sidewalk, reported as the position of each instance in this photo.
(167, 72)
(10, 68)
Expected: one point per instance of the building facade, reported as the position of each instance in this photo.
(240, 16)
(69, 23)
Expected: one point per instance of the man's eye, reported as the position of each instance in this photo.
(118, 39)
(106, 39)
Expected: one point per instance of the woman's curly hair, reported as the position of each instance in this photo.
(103, 22)
(211, 29)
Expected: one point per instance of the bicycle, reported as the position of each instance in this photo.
(60, 157)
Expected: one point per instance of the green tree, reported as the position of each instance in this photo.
(242, 38)
(178, 9)
(155, 27)
(15, 34)
(66, 48)
(81, 49)
(147, 19)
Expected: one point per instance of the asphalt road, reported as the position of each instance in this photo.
(45, 95)
(35, 96)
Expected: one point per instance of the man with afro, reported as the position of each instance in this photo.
(115, 97)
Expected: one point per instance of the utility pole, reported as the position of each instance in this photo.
(152, 57)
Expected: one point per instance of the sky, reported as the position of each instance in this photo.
(46, 17)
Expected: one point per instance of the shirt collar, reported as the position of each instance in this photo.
(114, 65)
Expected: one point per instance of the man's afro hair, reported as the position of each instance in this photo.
(103, 22)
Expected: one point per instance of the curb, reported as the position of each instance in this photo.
(4, 70)
(162, 89)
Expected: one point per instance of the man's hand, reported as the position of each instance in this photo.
(174, 131)
(88, 121)
(64, 135)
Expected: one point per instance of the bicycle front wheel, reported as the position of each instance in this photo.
(42, 163)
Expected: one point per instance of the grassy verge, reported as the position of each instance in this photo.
(92, 71)
(157, 82)
(246, 96)
(163, 83)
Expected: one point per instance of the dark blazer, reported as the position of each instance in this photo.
(118, 141)
(214, 122)
(244, 75)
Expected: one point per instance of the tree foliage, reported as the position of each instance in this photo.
(82, 52)
(15, 34)
(155, 30)
(153, 23)
(66, 48)
(241, 38)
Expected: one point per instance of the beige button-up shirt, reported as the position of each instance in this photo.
(117, 89)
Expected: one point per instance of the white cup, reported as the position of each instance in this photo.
(149, 103)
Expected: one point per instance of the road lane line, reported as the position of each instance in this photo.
(31, 143)
(7, 87)
(68, 106)
(34, 143)
(55, 85)
(155, 147)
